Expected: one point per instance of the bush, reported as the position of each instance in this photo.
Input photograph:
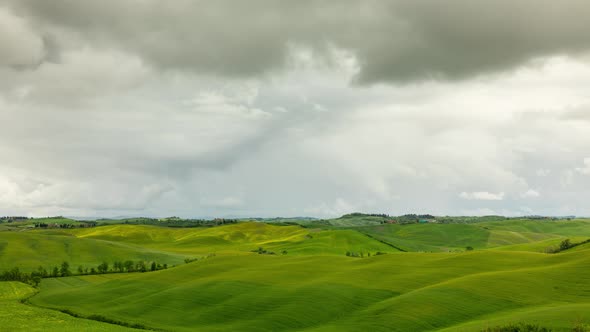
(581, 328)
(565, 244)
(522, 327)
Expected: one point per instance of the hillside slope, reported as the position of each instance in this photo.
(15, 316)
(396, 292)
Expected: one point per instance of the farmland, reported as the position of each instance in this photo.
(312, 276)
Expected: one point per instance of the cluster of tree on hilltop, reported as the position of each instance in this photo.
(13, 218)
(359, 214)
(386, 218)
(178, 222)
(83, 224)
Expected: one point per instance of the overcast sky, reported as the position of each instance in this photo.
(294, 108)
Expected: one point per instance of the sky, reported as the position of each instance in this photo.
(294, 108)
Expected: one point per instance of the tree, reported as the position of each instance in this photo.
(103, 268)
(154, 266)
(55, 272)
(36, 280)
(42, 272)
(129, 266)
(565, 244)
(469, 248)
(80, 270)
(64, 271)
(140, 266)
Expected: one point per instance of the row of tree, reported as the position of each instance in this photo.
(64, 270)
(262, 251)
(65, 225)
(564, 245)
(178, 222)
(362, 254)
(12, 218)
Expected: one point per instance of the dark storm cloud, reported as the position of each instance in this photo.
(393, 40)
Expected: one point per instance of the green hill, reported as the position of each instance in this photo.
(444, 237)
(29, 250)
(304, 281)
(401, 292)
(16, 316)
(242, 237)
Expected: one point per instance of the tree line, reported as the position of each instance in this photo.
(564, 245)
(84, 224)
(362, 254)
(64, 270)
(13, 218)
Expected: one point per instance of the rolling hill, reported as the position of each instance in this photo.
(265, 277)
(396, 292)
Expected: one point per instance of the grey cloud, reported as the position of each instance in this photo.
(458, 39)
(21, 46)
(395, 41)
(102, 125)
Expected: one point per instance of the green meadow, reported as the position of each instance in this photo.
(317, 276)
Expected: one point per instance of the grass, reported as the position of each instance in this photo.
(520, 234)
(242, 237)
(16, 316)
(430, 237)
(314, 287)
(402, 292)
(29, 250)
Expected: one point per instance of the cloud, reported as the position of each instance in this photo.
(482, 196)
(21, 45)
(338, 208)
(394, 41)
(202, 108)
(586, 168)
(84, 74)
(225, 202)
(530, 194)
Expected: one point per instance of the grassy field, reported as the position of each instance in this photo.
(29, 250)
(16, 316)
(396, 292)
(309, 283)
(522, 234)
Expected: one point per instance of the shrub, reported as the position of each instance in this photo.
(565, 244)
(581, 328)
(522, 327)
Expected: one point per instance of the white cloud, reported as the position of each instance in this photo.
(339, 207)
(586, 168)
(530, 194)
(482, 196)
(225, 202)
(217, 103)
